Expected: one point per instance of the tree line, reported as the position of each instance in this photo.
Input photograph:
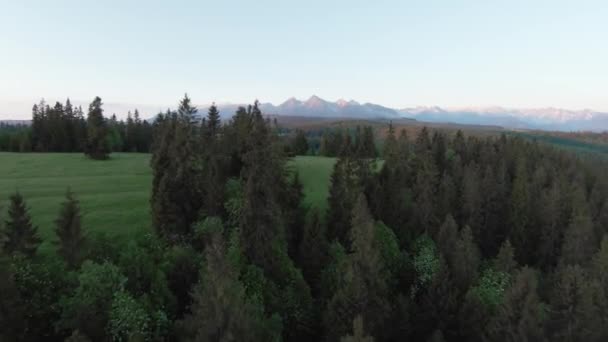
(66, 128)
(454, 238)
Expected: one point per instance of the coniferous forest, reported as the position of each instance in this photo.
(437, 237)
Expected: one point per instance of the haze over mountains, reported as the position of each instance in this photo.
(535, 118)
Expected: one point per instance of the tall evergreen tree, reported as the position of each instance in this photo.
(519, 214)
(97, 146)
(313, 250)
(221, 310)
(521, 315)
(213, 120)
(21, 236)
(579, 240)
(343, 191)
(574, 315)
(363, 290)
(71, 244)
(177, 194)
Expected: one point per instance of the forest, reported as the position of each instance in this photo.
(433, 237)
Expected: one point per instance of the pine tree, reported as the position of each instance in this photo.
(21, 236)
(573, 307)
(294, 213)
(69, 231)
(262, 226)
(550, 228)
(313, 250)
(472, 199)
(425, 194)
(221, 310)
(519, 214)
(521, 315)
(364, 289)
(579, 240)
(177, 185)
(12, 315)
(213, 120)
(389, 152)
(97, 146)
(343, 189)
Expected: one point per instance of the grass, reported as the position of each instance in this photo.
(114, 194)
(314, 174)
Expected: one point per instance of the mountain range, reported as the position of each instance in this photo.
(536, 118)
(555, 119)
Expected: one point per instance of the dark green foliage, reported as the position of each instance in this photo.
(87, 308)
(213, 121)
(521, 315)
(295, 215)
(300, 143)
(313, 250)
(363, 289)
(221, 310)
(346, 185)
(71, 244)
(12, 312)
(340, 143)
(39, 285)
(576, 315)
(177, 194)
(97, 144)
(273, 270)
(182, 274)
(20, 235)
(63, 128)
(579, 240)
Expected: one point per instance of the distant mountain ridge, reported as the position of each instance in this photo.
(536, 118)
(554, 119)
(318, 107)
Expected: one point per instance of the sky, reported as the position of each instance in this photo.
(518, 54)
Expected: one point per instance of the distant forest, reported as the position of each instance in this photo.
(63, 128)
(454, 238)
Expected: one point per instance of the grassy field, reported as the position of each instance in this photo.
(114, 194)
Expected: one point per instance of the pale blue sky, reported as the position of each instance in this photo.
(396, 53)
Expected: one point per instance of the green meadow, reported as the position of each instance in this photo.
(113, 194)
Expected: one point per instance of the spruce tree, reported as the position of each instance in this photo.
(12, 316)
(221, 309)
(389, 151)
(313, 250)
(579, 241)
(519, 213)
(71, 244)
(97, 146)
(177, 185)
(213, 120)
(521, 315)
(342, 191)
(21, 236)
(574, 315)
(364, 288)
